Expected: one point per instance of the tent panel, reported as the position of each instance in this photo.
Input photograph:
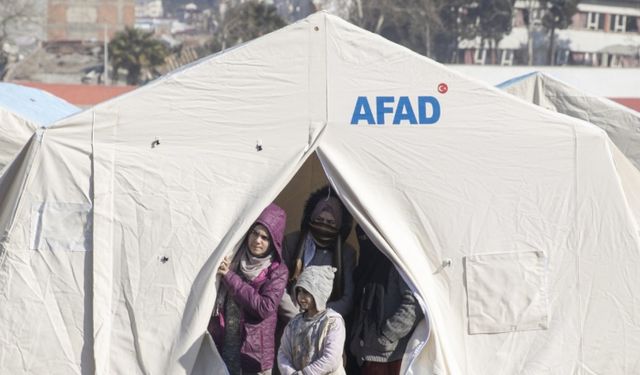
(48, 328)
(175, 197)
(463, 185)
(14, 133)
(620, 123)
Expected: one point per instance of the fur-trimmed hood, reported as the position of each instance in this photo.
(314, 198)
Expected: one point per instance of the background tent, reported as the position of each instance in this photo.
(620, 122)
(22, 110)
(508, 220)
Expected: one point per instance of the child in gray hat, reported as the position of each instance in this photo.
(313, 340)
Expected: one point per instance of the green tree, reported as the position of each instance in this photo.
(494, 22)
(557, 15)
(459, 18)
(135, 51)
(243, 22)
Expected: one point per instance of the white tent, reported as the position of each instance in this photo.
(621, 123)
(509, 220)
(22, 110)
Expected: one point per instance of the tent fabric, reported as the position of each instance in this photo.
(174, 173)
(22, 110)
(34, 105)
(524, 307)
(620, 123)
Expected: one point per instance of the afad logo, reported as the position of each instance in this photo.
(421, 110)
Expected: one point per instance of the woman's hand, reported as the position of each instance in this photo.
(224, 266)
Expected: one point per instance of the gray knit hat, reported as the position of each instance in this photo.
(318, 281)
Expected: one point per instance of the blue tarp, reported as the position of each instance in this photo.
(34, 105)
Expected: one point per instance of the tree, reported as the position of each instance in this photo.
(494, 22)
(459, 20)
(13, 14)
(411, 24)
(557, 15)
(135, 51)
(528, 10)
(243, 22)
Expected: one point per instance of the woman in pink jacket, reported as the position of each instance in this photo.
(245, 314)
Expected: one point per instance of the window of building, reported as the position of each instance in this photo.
(507, 57)
(480, 56)
(595, 21)
(619, 23)
(615, 61)
(632, 24)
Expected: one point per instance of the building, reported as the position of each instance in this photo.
(149, 9)
(87, 20)
(602, 33)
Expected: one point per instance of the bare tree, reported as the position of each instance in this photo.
(14, 14)
(411, 23)
(237, 22)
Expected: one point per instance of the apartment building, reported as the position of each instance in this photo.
(602, 33)
(87, 20)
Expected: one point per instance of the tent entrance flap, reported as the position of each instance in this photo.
(312, 176)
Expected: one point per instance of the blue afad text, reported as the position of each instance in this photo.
(399, 111)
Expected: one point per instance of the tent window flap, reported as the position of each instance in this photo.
(58, 226)
(506, 292)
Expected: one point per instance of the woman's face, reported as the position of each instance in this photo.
(258, 240)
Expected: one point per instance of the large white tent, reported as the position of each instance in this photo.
(22, 111)
(621, 123)
(510, 221)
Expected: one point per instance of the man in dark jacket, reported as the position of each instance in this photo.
(386, 312)
(325, 226)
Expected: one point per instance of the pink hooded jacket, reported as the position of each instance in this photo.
(258, 300)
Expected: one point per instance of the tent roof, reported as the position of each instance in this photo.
(620, 122)
(34, 105)
(22, 111)
(508, 220)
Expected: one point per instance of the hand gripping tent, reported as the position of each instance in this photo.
(508, 220)
(22, 111)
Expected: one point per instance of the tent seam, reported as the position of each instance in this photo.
(26, 182)
(575, 218)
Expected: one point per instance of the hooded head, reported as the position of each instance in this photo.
(318, 281)
(274, 219)
(330, 206)
(326, 199)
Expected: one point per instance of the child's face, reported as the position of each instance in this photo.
(305, 300)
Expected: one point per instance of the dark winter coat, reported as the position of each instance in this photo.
(385, 317)
(342, 304)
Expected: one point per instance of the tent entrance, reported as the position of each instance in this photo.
(309, 178)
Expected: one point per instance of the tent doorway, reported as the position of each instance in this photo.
(312, 177)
